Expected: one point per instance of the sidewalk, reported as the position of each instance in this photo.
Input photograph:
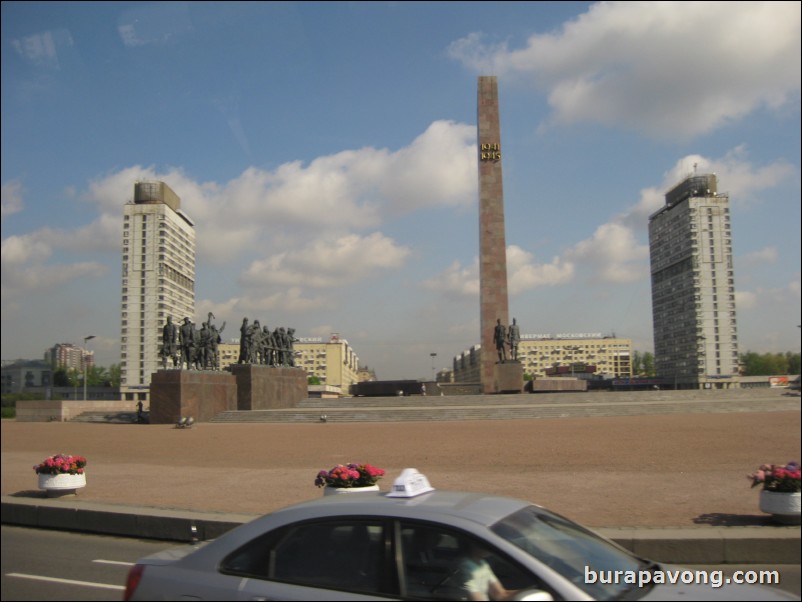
(670, 487)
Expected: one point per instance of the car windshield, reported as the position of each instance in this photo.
(570, 550)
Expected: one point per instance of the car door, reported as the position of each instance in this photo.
(331, 559)
(433, 563)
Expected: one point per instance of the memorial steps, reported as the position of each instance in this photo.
(522, 406)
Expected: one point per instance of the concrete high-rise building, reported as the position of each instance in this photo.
(158, 280)
(693, 291)
(69, 357)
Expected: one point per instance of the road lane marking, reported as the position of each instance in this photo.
(65, 581)
(118, 562)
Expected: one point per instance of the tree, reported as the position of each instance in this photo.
(770, 364)
(637, 363)
(642, 363)
(61, 378)
(648, 363)
(115, 375)
(74, 377)
(313, 380)
(97, 376)
(793, 362)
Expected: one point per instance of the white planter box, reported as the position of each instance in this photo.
(338, 490)
(61, 482)
(785, 507)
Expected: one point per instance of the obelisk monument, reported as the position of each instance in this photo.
(495, 376)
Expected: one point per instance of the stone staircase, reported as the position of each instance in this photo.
(522, 406)
(106, 417)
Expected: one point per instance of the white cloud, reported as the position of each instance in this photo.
(26, 249)
(523, 273)
(334, 194)
(270, 215)
(737, 176)
(24, 269)
(794, 287)
(328, 263)
(291, 300)
(618, 252)
(16, 281)
(667, 69)
(438, 168)
(612, 254)
(745, 300)
(456, 281)
(154, 24)
(287, 301)
(765, 255)
(41, 49)
(11, 198)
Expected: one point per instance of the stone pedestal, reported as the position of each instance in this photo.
(508, 378)
(268, 387)
(198, 393)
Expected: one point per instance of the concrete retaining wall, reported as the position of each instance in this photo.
(62, 410)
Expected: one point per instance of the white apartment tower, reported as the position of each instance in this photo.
(693, 291)
(158, 280)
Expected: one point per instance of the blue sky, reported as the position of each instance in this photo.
(326, 152)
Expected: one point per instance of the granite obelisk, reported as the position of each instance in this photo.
(492, 243)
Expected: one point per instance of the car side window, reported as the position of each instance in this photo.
(434, 563)
(342, 555)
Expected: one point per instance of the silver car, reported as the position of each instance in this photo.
(419, 545)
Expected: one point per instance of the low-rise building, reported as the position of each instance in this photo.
(24, 375)
(541, 355)
(332, 360)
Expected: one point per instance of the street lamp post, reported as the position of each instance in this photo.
(87, 338)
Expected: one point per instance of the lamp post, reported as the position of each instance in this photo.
(87, 338)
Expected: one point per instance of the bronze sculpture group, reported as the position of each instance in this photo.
(191, 348)
(504, 336)
(257, 345)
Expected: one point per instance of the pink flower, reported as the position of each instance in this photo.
(783, 479)
(61, 464)
(350, 475)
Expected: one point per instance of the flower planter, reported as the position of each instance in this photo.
(338, 490)
(784, 507)
(61, 484)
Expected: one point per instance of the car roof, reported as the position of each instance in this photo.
(481, 508)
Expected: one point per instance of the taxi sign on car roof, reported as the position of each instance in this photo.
(409, 484)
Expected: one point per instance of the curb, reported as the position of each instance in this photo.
(696, 545)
